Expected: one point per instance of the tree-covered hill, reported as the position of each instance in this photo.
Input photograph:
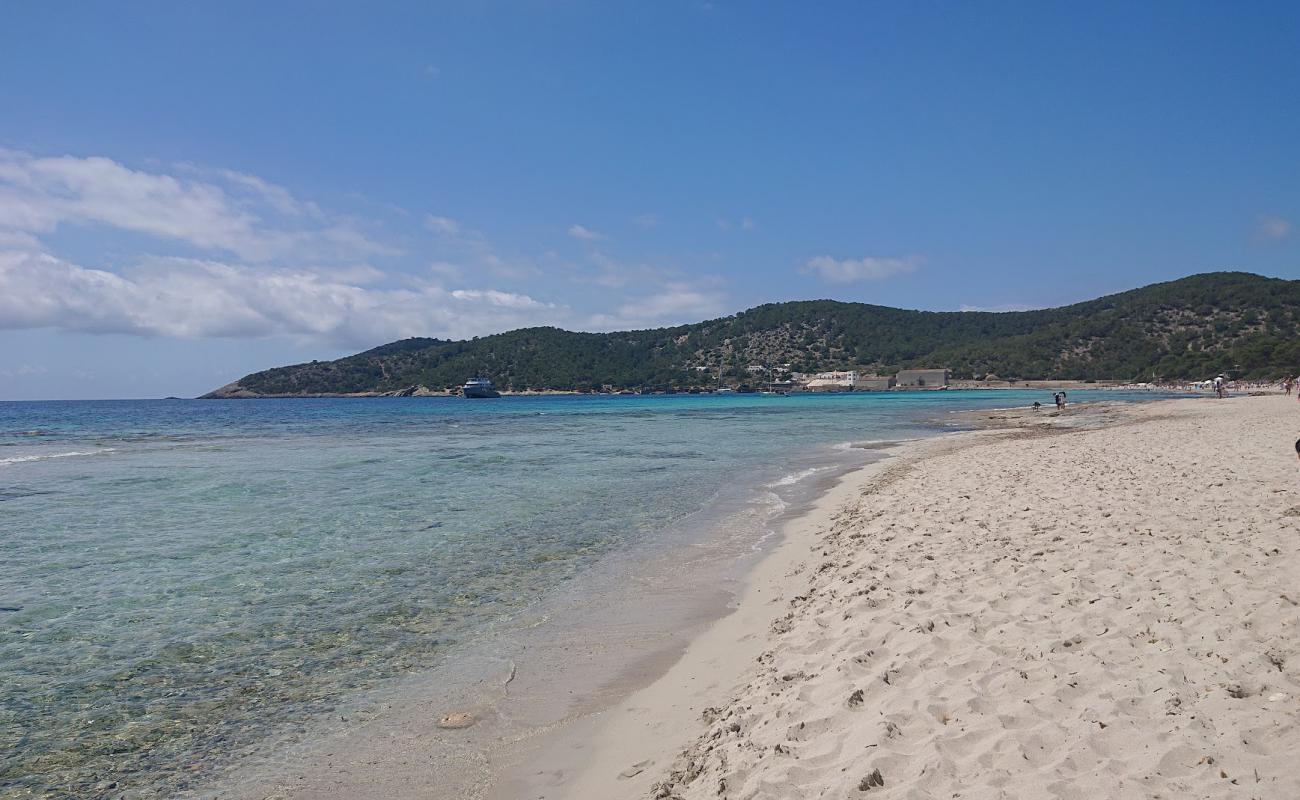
(1198, 326)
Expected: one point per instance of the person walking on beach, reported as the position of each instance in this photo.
(1219, 387)
(1059, 399)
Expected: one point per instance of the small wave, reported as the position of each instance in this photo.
(45, 456)
(795, 477)
(997, 408)
(774, 504)
(872, 444)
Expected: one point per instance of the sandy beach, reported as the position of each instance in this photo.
(1043, 611)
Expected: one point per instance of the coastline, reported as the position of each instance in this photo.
(656, 725)
(625, 750)
(386, 532)
(234, 391)
(542, 676)
(1129, 652)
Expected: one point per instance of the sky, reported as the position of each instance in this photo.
(190, 192)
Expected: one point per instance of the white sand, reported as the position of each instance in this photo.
(1086, 614)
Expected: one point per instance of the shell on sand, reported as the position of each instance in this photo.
(456, 719)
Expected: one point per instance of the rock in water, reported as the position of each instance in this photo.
(456, 719)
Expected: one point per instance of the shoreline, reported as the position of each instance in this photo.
(1075, 702)
(956, 385)
(545, 671)
(627, 729)
(624, 750)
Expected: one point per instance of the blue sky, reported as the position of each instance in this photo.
(190, 192)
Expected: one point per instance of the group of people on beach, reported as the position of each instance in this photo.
(1058, 398)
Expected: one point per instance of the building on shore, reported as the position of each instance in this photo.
(922, 378)
(833, 382)
(853, 381)
(874, 383)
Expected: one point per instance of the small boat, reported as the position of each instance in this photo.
(478, 388)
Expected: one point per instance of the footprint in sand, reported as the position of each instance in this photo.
(635, 769)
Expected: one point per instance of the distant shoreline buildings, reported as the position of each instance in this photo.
(853, 381)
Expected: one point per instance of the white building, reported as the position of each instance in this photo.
(833, 382)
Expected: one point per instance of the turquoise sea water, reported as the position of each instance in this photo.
(181, 578)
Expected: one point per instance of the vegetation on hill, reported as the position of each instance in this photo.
(1233, 322)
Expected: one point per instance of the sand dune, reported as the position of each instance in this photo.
(1080, 614)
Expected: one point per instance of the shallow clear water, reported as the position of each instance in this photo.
(178, 578)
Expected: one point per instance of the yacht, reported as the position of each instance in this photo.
(478, 388)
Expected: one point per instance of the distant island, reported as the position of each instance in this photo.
(1236, 323)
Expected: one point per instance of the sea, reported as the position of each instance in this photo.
(182, 581)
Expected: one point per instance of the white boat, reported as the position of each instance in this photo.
(478, 388)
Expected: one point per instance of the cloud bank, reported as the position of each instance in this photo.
(234, 213)
(193, 298)
(257, 261)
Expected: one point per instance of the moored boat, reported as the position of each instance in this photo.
(478, 388)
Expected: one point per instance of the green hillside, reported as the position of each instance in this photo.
(1233, 322)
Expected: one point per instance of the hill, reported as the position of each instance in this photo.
(1233, 322)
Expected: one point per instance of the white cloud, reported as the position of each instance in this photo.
(748, 224)
(497, 298)
(1272, 228)
(278, 197)
(849, 270)
(442, 225)
(447, 270)
(674, 302)
(584, 234)
(614, 274)
(235, 213)
(462, 249)
(193, 298)
(646, 220)
(270, 264)
(24, 241)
